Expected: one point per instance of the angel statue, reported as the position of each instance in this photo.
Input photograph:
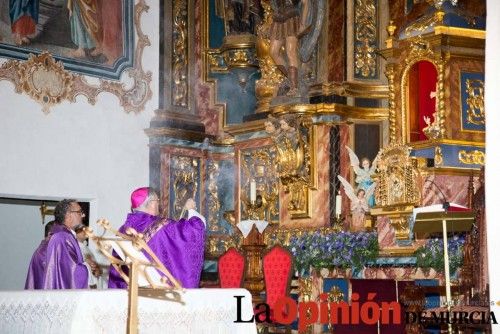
(359, 203)
(364, 174)
(432, 130)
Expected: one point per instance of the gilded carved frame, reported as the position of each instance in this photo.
(419, 50)
(46, 80)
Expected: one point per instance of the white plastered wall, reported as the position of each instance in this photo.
(96, 153)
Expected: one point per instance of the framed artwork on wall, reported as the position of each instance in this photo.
(50, 45)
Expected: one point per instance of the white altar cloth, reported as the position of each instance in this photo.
(208, 311)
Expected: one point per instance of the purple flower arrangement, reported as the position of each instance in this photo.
(431, 255)
(334, 249)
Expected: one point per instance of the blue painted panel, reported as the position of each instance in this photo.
(239, 99)
(215, 27)
(423, 153)
(471, 85)
(395, 261)
(431, 299)
(453, 18)
(450, 154)
(342, 284)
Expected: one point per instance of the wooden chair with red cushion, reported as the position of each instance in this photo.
(231, 269)
(277, 264)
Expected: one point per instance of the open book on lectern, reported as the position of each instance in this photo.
(435, 219)
(438, 208)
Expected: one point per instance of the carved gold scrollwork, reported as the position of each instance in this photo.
(185, 181)
(396, 177)
(438, 156)
(335, 295)
(213, 201)
(390, 73)
(424, 23)
(365, 22)
(259, 166)
(43, 79)
(421, 50)
(293, 138)
(216, 245)
(475, 101)
(47, 82)
(236, 52)
(305, 288)
(474, 157)
(180, 74)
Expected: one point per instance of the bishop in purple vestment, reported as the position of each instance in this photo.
(58, 262)
(179, 245)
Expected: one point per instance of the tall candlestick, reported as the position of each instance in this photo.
(338, 205)
(253, 191)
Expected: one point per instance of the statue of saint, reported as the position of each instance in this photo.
(294, 29)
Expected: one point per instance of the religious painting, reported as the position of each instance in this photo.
(92, 37)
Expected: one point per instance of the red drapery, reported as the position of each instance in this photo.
(427, 79)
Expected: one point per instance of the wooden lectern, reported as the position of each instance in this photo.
(445, 222)
(144, 278)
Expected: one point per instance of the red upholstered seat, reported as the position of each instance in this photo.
(277, 265)
(231, 269)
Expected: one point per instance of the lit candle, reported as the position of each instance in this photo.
(338, 205)
(253, 191)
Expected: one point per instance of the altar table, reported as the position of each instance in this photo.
(208, 311)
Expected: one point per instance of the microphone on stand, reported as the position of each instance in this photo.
(446, 204)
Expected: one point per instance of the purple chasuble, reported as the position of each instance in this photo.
(36, 270)
(178, 245)
(60, 261)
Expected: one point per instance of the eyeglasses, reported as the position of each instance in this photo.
(80, 212)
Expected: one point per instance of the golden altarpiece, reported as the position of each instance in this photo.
(252, 136)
